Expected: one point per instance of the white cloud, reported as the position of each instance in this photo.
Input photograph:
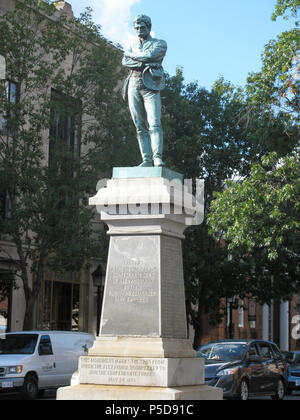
(115, 18)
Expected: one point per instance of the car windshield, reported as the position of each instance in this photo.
(296, 361)
(222, 352)
(18, 343)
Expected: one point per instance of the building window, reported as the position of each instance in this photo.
(64, 151)
(7, 122)
(241, 314)
(2, 203)
(5, 205)
(11, 89)
(64, 301)
(6, 285)
(64, 131)
(252, 313)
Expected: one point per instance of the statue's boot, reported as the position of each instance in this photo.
(146, 151)
(157, 147)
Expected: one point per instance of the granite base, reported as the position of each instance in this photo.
(133, 393)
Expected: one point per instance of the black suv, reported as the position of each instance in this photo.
(244, 368)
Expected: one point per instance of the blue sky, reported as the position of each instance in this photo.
(207, 38)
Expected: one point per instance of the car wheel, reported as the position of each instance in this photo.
(280, 391)
(243, 394)
(30, 388)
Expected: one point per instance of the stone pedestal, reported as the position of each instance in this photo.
(142, 352)
(132, 393)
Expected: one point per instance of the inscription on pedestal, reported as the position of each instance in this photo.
(122, 371)
(141, 371)
(132, 282)
(131, 301)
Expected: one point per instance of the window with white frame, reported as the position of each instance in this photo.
(11, 93)
(241, 314)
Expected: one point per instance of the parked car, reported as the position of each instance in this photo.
(33, 361)
(244, 368)
(293, 373)
(288, 356)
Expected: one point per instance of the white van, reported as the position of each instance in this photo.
(37, 360)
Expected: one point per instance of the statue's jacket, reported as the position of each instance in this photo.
(146, 57)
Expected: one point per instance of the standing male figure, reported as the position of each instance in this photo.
(143, 86)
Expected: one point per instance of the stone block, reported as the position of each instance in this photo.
(142, 172)
(156, 372)
(142, 347)
(123, 393)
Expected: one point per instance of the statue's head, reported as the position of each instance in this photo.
(142, 25)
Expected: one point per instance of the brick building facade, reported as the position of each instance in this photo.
(277, 323)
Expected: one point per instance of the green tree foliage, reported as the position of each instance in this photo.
(263, 210)
(260, 220)
(284, 6)
(61, 136)
(208, 135)
(277, 85)
(258, 216)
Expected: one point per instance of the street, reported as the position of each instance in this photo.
(49, 395)
(294, 397)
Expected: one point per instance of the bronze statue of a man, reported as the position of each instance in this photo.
(143, 86)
